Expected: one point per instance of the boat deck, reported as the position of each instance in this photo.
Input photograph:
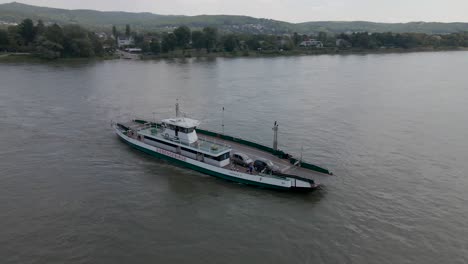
(208, 141)
(285, 166)
(205, 145)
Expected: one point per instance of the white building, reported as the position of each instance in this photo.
(133, 50)
(311, 43)
(101, 35)
(125, 42)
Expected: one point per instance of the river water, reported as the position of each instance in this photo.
(391, 127)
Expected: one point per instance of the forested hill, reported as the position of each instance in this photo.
(15, 12)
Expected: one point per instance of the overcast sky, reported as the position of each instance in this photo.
(286, 10)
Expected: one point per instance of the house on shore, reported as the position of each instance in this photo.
(101, 35)
(312, 43)
(123, 42)
(133, 50)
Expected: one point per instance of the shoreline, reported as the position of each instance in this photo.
(260, 54)
(28, 57)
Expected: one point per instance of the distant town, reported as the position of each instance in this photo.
(52, 41)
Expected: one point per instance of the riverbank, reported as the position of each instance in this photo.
(6, 57)
(310, 52)
(28, 57)
(296, 52)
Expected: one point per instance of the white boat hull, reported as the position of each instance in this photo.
(263, 180)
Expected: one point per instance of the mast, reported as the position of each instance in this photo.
(177, 108)
(275, 137)
(222, 122)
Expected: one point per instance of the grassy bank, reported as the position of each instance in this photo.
(29, 57)
(297, 52)
(18, 57)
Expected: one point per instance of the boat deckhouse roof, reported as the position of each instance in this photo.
(182, 122)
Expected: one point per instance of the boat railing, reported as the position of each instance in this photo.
(274, 176)
(214, 142)
(214, 145)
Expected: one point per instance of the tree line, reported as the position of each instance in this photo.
(365, 40)
(54, 41)
(210, 40)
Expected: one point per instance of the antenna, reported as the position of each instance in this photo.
(222, 122)
(275, 137)
(302, 151)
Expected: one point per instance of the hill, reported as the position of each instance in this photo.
(364, 26)
(15, 12)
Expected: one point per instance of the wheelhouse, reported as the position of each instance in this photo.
(182, 129)
(179, 135)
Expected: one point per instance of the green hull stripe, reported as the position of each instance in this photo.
(203, 170)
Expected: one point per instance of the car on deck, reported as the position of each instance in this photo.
(241, 159)
(265, 165)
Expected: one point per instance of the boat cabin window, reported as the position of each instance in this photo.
(171, 127)
(225, 156)
(186, 130)
(179, 129)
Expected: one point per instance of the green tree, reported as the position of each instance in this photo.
(4, 41)
(40, 28)
(128, 31)
(26, 31)
(49, 45)
(211, 37)
(77, 42)
(198, 40)
(145, 46)
(139, 40)
(155, 46)
(296, 39)
(183, 35)
(322, 36)
(230, 42)
(253, 42)
(54, 33)
(169, 42)
(268, 44)
(286, 43)
(48, 49)
(96, 43)
(110, 43)
(14, 38)
(114, 31)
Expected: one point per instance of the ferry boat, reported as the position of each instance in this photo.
(176, 140)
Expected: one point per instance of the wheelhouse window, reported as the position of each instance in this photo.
(225, 156)
(186, 130)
